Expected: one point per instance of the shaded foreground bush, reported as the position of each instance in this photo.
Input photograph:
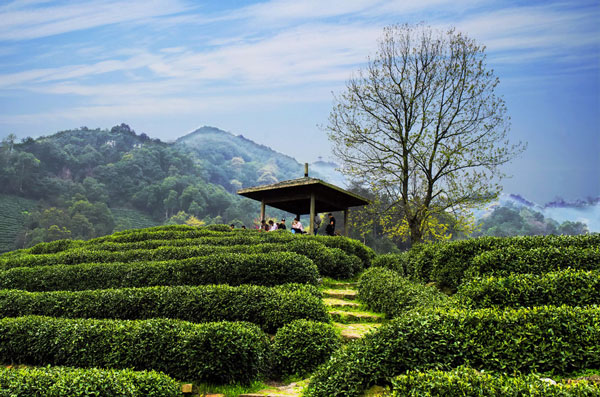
(467, 382)
(233, 269)
(213, 352)
(545, 339)
(301, 346)
(268, 307)
(63, 381)
(385, 291)
(566, 287)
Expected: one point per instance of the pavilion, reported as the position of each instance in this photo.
(304, 196)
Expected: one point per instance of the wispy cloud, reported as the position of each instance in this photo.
(22, 21)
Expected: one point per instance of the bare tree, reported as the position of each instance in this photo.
(423, 123)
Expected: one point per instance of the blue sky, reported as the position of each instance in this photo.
(268, 69)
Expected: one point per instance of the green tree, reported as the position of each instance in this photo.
(423, 123)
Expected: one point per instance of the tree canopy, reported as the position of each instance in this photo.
(423, 123)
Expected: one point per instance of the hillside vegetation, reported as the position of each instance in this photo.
(88, 183)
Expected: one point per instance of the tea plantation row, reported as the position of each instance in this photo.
(114, 303)
(542, 316)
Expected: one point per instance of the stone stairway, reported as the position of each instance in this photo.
(349, 316)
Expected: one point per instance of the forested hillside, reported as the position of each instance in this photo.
(89, 183)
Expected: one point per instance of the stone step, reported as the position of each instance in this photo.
(355, 331)
(333, 302)
(293, 389)
(355, 317)
(340, 293)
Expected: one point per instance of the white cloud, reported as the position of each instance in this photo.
(22, 22)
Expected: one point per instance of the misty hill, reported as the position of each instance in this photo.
(513, 214)
(235, 162)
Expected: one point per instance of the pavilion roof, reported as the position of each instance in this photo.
(294, 196)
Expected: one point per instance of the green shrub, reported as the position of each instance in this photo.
(233, 269)
(302, 345)
(212, 352)
(63, 381)
(396, 262)
(467, 382)
(348, 245)
(385, 291)
(565, 287)
(535, 260)
(332, 262)
(545, 339)
(446, 263)
(268, 307)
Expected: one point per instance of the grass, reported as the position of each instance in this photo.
(231, 390)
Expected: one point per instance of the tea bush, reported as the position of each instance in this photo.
(64, 381)
(233, 269)
(535, 260)
(565, 287)
(268, 307)
(301, 346)
(467, 382)
(385, 291)
(545, 339)
(221, 352)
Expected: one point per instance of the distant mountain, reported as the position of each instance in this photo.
(329, 172)
(585, 211)
(236, 162)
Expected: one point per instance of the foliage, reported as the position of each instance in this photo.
(64, 381)
(385, 291)
(535, 260)
(468, 382)
(268, 307)
(563, 287)
(446, 263)
(219, 352)
(542, 339)
(234, 269)
(301, 346)
(422, 123)
(332, 262)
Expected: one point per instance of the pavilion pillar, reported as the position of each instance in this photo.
(262, 209)
(311, 222)
(346, 222)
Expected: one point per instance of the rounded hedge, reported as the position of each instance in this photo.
(302, 345)
(221, 352)
(565, 287)
(64, 381)
(384, 290)
(544, 339)
(468, 382)
(268, 307)
(233, 269)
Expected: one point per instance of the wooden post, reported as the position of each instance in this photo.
(262, 209)
(346, 222)
(311, 222)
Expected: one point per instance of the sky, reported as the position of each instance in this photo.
(269, 69)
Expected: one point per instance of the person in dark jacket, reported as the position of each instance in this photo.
(330, 229)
